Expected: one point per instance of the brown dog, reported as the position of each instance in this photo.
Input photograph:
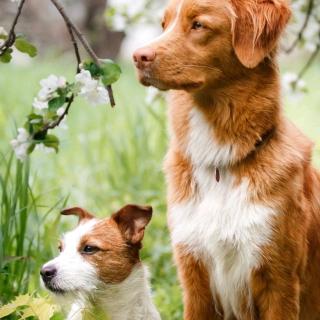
(244, 200)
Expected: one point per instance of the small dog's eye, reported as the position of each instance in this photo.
(163, 25)
(60, 247)
(197, 25)
(89, 249)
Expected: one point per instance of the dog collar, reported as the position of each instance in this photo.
(262, 141)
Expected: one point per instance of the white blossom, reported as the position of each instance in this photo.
(60, 111)
(48, 87)
(85, 79)
(40, 104)
(44, 95)
(293, 85)
(91, 89)
(21, 144)
(52, 83)
(98, 96)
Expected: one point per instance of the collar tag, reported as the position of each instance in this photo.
(217, 175)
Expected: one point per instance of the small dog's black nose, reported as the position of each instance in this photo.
(48, 273)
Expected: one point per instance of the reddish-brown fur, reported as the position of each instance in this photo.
(228, 71)
(118, 240)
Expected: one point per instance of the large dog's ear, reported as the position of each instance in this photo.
(79, 212)
(132, 221)
(256, 28)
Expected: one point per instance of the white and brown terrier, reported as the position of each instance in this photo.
(99, 266)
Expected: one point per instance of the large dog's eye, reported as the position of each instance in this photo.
(89, 249)
(196, 25)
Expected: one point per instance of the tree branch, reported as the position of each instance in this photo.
(303, 28)
(53, 125)
(12, 36)
(309, 62)
(83, 40)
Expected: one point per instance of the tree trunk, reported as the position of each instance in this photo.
(105, 42)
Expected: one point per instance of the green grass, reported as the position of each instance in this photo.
(108, 158)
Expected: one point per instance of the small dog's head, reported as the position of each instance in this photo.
(206, 42)
(97, 251)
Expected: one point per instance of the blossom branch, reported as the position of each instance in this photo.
(12, 35)
(310, 61)
(303, 28)
(83, 40)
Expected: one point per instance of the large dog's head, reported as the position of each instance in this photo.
(97, 251)
(207, 41)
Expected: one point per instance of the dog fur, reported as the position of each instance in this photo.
(109, 278)
(243, 197)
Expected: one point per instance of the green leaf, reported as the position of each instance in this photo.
(40, 308)
(26, 47)
(35, 118)
(111, 72)
(14, 305)
(28, 306)
(93, 68)
(52, 141)
(39, 136)
(56, 103)
(34, 123)
(6, 56)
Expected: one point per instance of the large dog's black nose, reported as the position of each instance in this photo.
(48, 273)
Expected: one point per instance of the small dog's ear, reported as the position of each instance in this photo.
(256, 28)
(79, 212)
(132, 221)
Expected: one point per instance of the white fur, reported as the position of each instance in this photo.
(220, 224)
(74, 273)
(202, 147)
(131, 299)
(128, 300)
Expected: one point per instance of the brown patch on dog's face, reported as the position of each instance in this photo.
(112, 256)
(208, 43)
(113, 245)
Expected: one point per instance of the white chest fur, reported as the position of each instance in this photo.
(128, 300)
(220, 224)
(202, 147)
